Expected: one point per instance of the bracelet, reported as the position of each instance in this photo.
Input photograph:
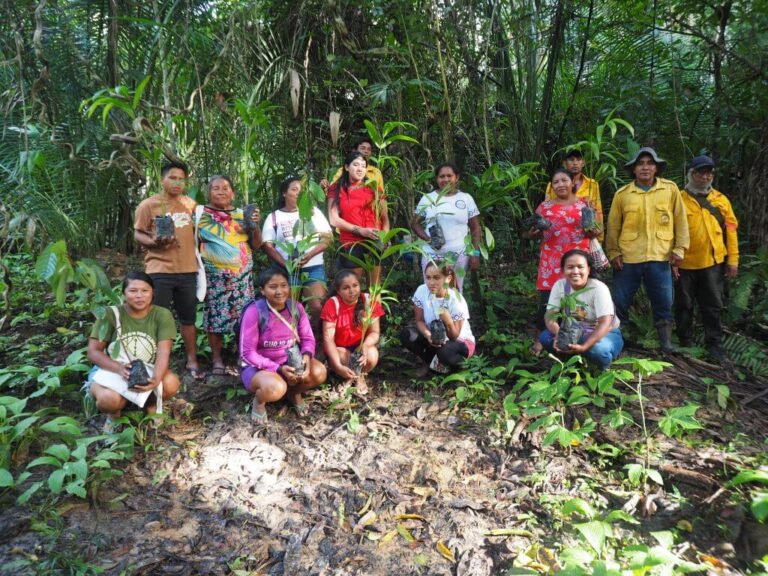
(475, 252)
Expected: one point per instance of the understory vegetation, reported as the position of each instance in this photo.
(514, 464)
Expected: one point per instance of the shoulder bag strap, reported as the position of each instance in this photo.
(707, 205)
(284, 321)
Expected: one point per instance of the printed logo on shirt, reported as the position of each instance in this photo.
(138, 345)
(460, 204)
(181, 219)
(285, 343)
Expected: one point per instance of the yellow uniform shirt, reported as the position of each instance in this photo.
(708, 247)
(588, 189)
(647, 226)
(371, 173)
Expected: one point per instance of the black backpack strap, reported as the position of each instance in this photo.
(707, 205)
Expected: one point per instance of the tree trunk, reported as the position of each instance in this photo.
(113, 71)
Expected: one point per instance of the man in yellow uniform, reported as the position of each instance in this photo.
(365, 146)
(647, 234)
(586, 188)
(713, 253)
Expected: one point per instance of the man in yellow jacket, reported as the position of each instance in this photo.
(713, 253)
(586, 187)
(647, 235)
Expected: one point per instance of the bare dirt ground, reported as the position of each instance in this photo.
(412, 487)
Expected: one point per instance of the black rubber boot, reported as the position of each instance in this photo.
(664, 328)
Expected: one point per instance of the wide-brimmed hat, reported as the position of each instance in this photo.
(661, 164)
(701, 162)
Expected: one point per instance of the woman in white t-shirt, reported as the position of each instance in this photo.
(445, 218)
(442, 336)
(301, 243)
(601, 341)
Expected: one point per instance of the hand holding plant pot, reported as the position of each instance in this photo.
(251, 217)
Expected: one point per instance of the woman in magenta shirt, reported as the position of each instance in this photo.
(267, 331)
(359, 212)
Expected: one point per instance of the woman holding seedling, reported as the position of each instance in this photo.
(131, 349)
(277, 348)
(225, 248)
(359, 211)
(351, 330)
(298, 246)
(558, 225)
(442, 336)
(588, 322)
(447, 219)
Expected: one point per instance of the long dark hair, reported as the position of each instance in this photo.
(450, 165)
(578, 252)
(342, 186)
(284, 185)
(342, 275)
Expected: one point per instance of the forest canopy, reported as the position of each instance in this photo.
(96, 94)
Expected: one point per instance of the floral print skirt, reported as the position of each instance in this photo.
(227, 295)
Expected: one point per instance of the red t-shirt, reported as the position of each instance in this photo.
(356, 207)
(347, 334)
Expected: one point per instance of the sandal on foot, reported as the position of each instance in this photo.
(300, 409)
(225, 371)
(198, 374)
(259, 417)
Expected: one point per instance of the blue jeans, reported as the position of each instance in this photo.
(657, 278)
(602, 353)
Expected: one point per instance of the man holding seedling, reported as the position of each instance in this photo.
(647, 239)
(164, 226)
(712, 255)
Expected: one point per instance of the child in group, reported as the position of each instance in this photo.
(345, 316)
(270, 327)
(442, 336)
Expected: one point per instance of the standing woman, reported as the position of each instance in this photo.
(271, 326)
(225, 247)
(359, 212)
(136, 330)
(283, 232)
(455, 214)
(565, 233)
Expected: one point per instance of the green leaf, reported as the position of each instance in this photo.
(759, 506)
(747, 476)
(620, 516)
(140, 91)
(56, 481)
(634, 473)
(60, 451)
(595, 533)
(578, 506)
(76, 488)
(6, 478)
(461, 393)
(28, 493)
(655, 476)
(62, 425)
(45, 461)
(665, 539)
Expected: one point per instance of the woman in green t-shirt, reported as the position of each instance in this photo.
(135, 331)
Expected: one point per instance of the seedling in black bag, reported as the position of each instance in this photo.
(248, 222)
(570, 333)
(436, 236)
(138, 375)
(537, 222)
(437, 332)
(164, 227)
(295, 359)
(589, 221)
(354, 361)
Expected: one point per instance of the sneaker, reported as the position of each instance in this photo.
(435, 366)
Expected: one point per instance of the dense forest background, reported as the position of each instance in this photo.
(95, 93)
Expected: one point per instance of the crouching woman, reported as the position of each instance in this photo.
(593, 313)
(442, 336)
(276, 348)
(136, 334)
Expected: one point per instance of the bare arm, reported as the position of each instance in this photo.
(96, 354)
(604, 324)
(417, 225)
(272, 253)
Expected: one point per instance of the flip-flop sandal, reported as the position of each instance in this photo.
(259, 417)
(224, 371)
(198, 374)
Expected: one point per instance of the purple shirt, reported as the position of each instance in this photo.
(267, 351)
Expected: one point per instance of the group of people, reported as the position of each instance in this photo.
(654, 233)
(680, 245)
